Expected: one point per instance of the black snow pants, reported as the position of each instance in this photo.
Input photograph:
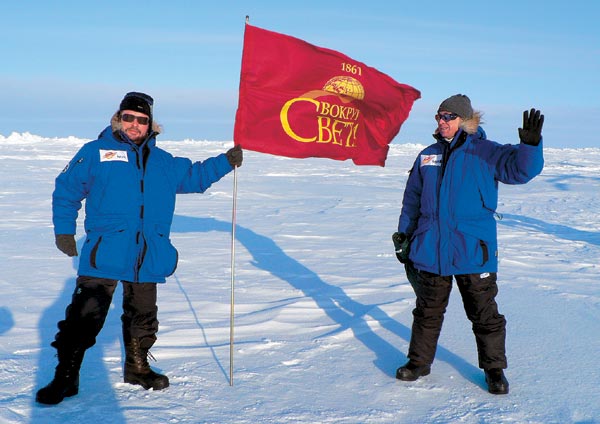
(478, 293)
(85, 316)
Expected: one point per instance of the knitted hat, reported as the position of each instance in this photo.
(138, 102)
(459, 104)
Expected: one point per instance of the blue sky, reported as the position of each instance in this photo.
(67, 64)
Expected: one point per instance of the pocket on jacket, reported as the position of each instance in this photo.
(161, 256)
(473, 244)
(107, 247)
(423, 246)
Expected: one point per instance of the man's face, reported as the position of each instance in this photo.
(131, 125)
(448, 123)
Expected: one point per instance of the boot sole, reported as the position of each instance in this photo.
(144, 384)
(498, 392)
(55, 401)
(413, 377)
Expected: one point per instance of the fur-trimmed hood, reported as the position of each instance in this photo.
(471, 125)
(115, 123)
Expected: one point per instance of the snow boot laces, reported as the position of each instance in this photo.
(137, 369)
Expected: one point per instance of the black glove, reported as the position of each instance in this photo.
(66, 244)
(402, 246)
(531, 133)
(235, 156)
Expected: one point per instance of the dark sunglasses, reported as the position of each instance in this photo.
(142, 120)
(446, 116)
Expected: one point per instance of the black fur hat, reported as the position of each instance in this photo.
(138, 102)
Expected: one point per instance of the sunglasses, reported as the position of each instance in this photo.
(446, 117)
(142, 120)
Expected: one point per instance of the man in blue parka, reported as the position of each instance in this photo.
(447, 229)
(129, 186)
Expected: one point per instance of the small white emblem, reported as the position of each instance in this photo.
(113, 155)
(431, 160)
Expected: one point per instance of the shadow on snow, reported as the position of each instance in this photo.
(96, 396)
(342, 309)
(558, 230)
(267, 256)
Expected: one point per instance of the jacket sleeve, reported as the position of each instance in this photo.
(197, 177)
(71, 187)
(411, 202)
(519, 164)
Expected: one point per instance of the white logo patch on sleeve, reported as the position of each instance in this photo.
(431, 160)
(113, 155)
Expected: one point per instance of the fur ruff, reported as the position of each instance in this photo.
(471, 125)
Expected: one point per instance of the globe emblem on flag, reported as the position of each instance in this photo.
(345, 86)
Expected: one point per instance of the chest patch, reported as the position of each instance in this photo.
(113, 155)
(431, 160)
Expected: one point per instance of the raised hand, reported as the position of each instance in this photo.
(531, 133)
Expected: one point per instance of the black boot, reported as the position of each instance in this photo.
(66, 378)
(137, 369)
(496, 381)
(410, 371)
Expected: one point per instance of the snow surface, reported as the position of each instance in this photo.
(322, 307)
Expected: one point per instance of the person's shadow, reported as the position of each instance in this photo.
(341, 308)
(96, 400)
(96, 397)
(6, 320)
(564, 232)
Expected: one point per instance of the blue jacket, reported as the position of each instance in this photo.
(451, 197)
(129, 193)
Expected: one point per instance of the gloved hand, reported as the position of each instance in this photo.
(66, 244)
(235, 156)
(402, 246)
(531, 133)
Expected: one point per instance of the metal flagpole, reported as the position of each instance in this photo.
(231, 311)
(232, 303)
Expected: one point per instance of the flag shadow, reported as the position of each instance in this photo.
(200, 326)
(341, 308)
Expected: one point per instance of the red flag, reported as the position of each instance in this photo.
(300, 100)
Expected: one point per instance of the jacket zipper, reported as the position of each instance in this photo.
(139, 236)
(445, 156)
(141, 166)
(447, 149)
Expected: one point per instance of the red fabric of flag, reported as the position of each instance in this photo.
(299, 100)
